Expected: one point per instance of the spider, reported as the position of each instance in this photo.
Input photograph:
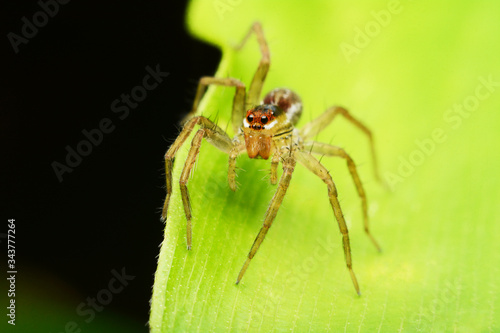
(266, 130)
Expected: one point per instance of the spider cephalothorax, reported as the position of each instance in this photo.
(267, 130)
(273, 119)
(260, 126)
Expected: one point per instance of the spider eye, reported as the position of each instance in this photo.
(250, 118)
(264, 119)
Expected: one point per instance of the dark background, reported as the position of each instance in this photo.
(104, 215)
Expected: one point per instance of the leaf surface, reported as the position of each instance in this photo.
(424, 76)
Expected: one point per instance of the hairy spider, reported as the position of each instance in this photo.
(266, 130)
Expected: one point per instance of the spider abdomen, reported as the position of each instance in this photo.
(286, 100)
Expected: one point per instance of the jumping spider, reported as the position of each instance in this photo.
(266, 130)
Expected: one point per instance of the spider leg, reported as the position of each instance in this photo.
(186, 171)
(237, 149)
(311, 163)
(329, 150)
(274, 167)
(259, 77)
(213, 134)
(317, 125)
(272, 210)
(238, 112)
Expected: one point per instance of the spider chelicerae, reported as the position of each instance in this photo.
(266, 130)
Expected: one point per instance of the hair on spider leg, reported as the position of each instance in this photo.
(238, 184)
(282, 159)
(269, 171)
(162, 171)
(331, 139)
(227, 126)
(216, 119)
(193, 169)
(215, 122)
(312, 146)
(267, 174)
(321, 158)
(169, 140)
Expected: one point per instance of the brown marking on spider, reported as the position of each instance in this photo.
(267, 130)
(286, 100)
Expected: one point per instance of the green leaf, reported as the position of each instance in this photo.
(424, 76)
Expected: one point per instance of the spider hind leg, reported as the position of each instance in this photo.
(329, 150)
(311, 163)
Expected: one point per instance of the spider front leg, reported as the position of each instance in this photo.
(272, 210)
(329, 150)
(213, 134)
(238, 111)
(317, 125)
(310, 162)
(259, 77)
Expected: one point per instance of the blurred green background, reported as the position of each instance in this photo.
(425, 77)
